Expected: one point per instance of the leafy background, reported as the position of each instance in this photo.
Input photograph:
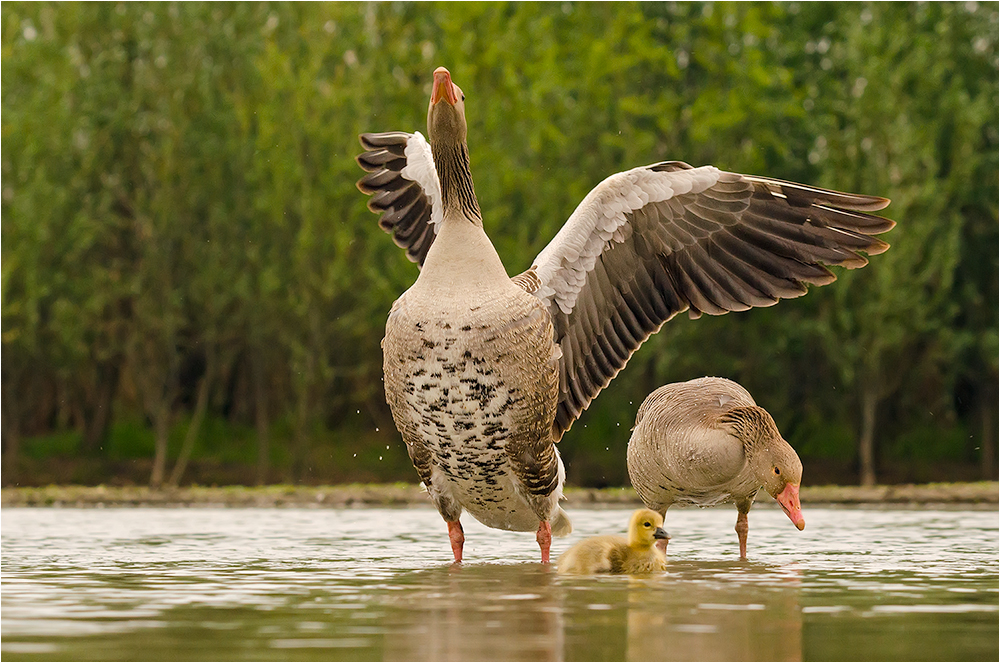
(193, 289)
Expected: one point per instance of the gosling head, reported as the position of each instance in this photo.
(645, 527)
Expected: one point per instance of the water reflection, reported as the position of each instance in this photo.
(484, 612)
(526, 612)
(323, 585)
(696, 616)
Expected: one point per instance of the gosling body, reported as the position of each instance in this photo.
(635, 554)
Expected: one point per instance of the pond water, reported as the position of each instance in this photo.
(377, 584)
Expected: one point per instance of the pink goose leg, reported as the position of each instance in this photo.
(742, 527)
(544, 538)
(457, 537)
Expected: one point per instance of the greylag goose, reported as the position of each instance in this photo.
(484, 373)
(617, 554)
(705, 442)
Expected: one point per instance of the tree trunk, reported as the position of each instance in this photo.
(11, 432)
(162, 425)
(304, 390)
(12, 447)
(988, 455)
(97, 414)
(866, 438)
(204, 389)
(299, 462)
(260, 416)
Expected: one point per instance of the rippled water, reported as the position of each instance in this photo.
(363, 584)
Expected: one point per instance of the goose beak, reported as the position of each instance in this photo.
(443, 87)
(660, 533)
(789, 501)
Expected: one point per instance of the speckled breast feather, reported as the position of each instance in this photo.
(473, 391)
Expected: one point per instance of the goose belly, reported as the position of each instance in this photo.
(703, 467)
(466, 384)
(660, 492)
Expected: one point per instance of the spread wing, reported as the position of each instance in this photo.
(651, 242)
(404, 187)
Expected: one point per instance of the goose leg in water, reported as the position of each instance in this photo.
(457, 537)
(741, 529)
(544, 538)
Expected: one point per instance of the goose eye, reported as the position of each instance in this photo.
(646, 524)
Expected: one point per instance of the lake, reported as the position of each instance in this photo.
(377, 584)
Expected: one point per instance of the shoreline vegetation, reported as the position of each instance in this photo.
(194, 291)
(981, 495)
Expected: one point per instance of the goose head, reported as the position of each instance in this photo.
(783, 476)
(773, 461)
(644, 528)
(777, 467)
(446, 124)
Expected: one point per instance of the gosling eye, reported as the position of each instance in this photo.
(647, 524)
(777, 471)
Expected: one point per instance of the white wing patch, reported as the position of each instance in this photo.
(600, 219)
(419, 168)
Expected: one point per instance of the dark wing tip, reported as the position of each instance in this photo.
(878, 202)
(670, 166)
(374, 141)
(877, 246)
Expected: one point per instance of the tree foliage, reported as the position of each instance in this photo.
(185, 254)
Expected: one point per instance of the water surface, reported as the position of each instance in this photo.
(376, 584)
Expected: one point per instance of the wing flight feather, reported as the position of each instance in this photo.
(654, 241)
(404, 188)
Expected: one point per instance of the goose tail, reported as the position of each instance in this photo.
(561, 525)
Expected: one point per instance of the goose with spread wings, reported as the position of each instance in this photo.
(484, 372)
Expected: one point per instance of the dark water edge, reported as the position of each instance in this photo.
(972, 495)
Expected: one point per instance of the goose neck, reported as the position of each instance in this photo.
(458, 194)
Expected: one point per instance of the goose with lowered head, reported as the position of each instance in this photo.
(484, 372)
(705, 442)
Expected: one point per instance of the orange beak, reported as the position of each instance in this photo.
(789, 501)
(443, 87)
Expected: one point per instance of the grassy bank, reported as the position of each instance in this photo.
(980, 494)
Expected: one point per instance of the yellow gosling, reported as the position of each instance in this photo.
(616, 554)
